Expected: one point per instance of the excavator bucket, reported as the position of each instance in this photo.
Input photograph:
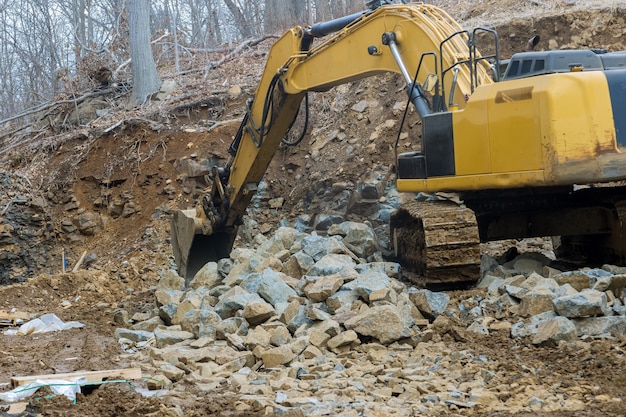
(193, 249)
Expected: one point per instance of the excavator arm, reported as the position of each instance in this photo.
(415, 40)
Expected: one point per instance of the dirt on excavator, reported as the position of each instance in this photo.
(133, 158)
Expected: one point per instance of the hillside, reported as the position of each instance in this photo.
(101, 192)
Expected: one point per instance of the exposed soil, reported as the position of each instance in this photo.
(137, 162)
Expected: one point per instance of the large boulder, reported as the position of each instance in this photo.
(586, 303)
(386, 323)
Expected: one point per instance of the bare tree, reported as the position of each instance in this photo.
(240, 20)
(146, 79)
(322, 10)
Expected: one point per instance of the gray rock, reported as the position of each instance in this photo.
(385, 323)
(207, 277)
(166, 337)
(335, 264)
(167, 296)
(564, 290)
(582, 278)
(323, 287)
(171, 281)
(246, 262)
(318, 246)
(202, 323)
(368, 283)
(148, 325)
(594, 326)
(550, 332)
(529, 328)
(586, 303)
(341, 300)
(478, 327)
(298, 264)
(270, 286)
(134, 335)
(303, 223)
(514, 291)
(231, 326)
(358, 237)
(224, 266)
(167, 313)
(360, 106)
(295, 321)
(534, 303)
(258, 311)
(229, 304)
(430, 304)
(391, 269)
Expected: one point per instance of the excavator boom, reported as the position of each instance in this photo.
(414, 40)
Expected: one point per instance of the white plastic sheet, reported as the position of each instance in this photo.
(69, 388)
(46, 323)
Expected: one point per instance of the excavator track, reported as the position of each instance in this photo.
(437, 242)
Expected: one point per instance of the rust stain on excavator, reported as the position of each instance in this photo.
(605, 162)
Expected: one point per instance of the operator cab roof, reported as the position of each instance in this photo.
(528, 64)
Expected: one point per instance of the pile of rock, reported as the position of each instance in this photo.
(323, 324)
(556, 305)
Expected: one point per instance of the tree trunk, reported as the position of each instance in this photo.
(146, 79)
(242, 24)
(279, 15)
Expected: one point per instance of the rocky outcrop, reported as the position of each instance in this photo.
(26, 231)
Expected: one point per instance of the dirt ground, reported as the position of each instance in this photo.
(137, 162)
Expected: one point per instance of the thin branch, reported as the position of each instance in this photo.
(223, 122)
(46, 106)
(246, 44)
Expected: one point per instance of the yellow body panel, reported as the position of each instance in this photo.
(471, 182)
(550, 130)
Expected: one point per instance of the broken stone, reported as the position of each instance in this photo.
(552, 331)
(171, 337)
(385, 323)
(207, 277)
(277, 356)
(257, 311)
(430, 304)
(323, 287)
(586, 303)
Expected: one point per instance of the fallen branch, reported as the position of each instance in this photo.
(80, 261)
(236, 51)
(223, 122)
(135, 121)
(48, 105)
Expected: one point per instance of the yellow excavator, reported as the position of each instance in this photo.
(535, 150)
